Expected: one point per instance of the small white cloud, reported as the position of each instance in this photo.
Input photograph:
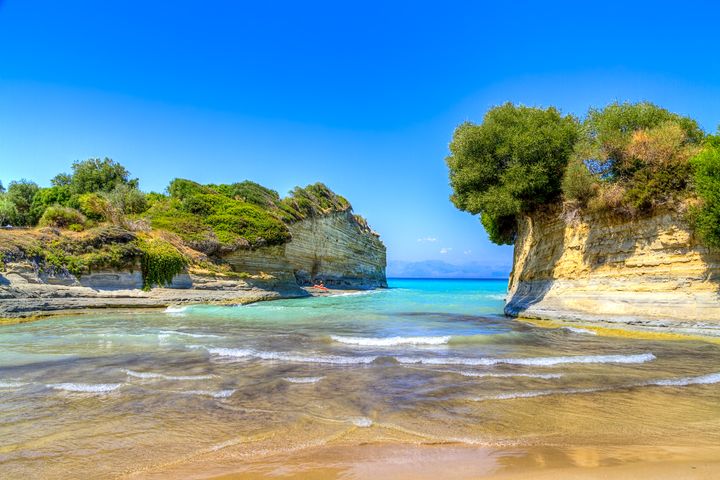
(427, 239)
(445, 250)
(467, 252)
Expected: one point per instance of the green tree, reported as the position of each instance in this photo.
(510, 164)
(8, 212)
(21, 194)
(707, 185)
(2, 189)
(95, 175)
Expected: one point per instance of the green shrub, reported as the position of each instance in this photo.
(706, 217)
(21, 195)
(61, 217)
(579, 183)
(160, 262)
(511, 163)
(94, 206)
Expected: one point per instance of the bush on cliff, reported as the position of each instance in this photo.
(160, 262)
(511, 163)
(641, 150)
(62, 217)
(706, 216)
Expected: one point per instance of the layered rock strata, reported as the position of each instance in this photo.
(649, 271)
(337, 249)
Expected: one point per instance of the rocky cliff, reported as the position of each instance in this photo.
(337, 248)
(648, 271)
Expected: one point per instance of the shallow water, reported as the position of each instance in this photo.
(428, 362)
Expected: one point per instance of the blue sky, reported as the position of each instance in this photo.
(363, 96)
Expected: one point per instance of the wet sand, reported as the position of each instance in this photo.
(420, 462)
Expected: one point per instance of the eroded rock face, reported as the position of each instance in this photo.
(650, 271)
(334, 248)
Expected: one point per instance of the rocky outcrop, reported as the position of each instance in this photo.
(337, 249)
(650, 271)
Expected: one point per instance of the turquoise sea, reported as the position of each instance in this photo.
(152, 393)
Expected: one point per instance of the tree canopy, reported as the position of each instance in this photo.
(510, 163)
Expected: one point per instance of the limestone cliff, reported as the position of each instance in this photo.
(338, 249)
(649, 271)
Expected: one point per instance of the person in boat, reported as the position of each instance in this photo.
(319, 284)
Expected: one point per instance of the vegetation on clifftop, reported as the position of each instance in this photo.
(625, 159)
(96, 217)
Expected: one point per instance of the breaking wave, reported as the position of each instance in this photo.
(670, 382)
(303, 379)
(146, 375)
(85, 387)
(537, 361)
(391, 341)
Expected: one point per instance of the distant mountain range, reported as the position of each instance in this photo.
(441, 269)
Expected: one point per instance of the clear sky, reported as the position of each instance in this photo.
(363, 96)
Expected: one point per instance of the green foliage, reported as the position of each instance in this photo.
(95, 175)
(313, 200)
(579, 184)
(160, 262)
(21, 194)
(642, 148)
(94, 206)
(199, 213)
(511, 163)
(609, 131)
(104, 247)
(8, 212)
(45, 197)
(61, 217)
(706, 217)
(127, 199)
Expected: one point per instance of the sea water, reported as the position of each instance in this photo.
(422, 362)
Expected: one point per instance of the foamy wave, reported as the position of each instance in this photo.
(330, 359)
(146, 375)
(546, 376)
(580, 330)
(187, 334)
(355, 294)
(4, 384)
(681, 382)
(303, 379)
(391, 341)
(670, 382)
(175, 309)
(538, 361)
(211, 393)
(85, 387)
(362, 422)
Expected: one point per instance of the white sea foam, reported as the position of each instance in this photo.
(391, 341)
(86, 387)
(580, 330)
(670, 382)
(187, 334)
(537, 361)
(303, 379)
(175, 309)
(146, 375)
(6, 384)
(546, 376)
(681, 382)
(285, 357)
(362, 422)
(211, 393)
(356, 294)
